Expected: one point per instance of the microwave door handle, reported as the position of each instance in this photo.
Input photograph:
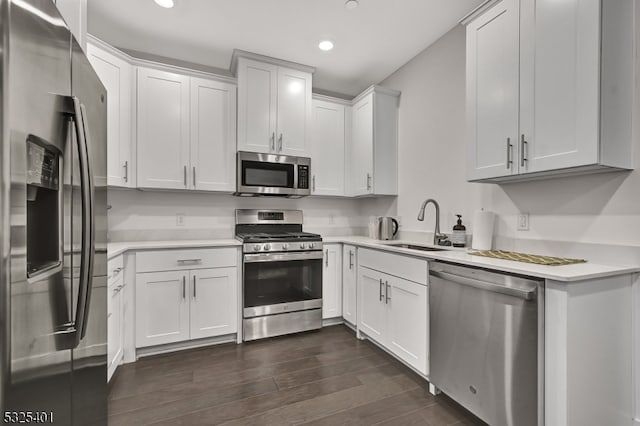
(88, 225)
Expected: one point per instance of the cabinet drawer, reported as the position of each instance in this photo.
(407, 267)
(115, 269)
(176, 260)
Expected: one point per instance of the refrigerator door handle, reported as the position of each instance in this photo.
(88, 225)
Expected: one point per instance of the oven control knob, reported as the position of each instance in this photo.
(311, 245)
(285, 246)
(256, 247)
(267, 247)
(303, 246)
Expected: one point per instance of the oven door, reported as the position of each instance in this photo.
(266, 174)
(282, 282)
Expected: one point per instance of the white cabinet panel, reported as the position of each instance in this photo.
(163, 129)
(332, 281)
(371, 308)
(257, 106)
(407, 321)
(349, 284)
(492, 91)
(117, 76)
(361, 150)
(162, 308)
(115, 332)
(294, 112)
(213, 136)
(214, 302)
(328, 149)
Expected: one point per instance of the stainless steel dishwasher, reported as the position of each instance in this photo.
(487, 342)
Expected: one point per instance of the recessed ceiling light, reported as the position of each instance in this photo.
(326, 45)
(351, 4)
(167, 4)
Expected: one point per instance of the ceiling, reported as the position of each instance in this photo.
(371, 41)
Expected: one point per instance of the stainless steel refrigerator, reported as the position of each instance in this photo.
(53, 289)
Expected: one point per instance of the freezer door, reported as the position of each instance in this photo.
(89, 400)
(38, 82)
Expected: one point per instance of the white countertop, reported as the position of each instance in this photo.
(115, 249)
(567, 273)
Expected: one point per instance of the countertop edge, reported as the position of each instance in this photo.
(118, 248)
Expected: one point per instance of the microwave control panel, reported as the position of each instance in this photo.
(303, 177)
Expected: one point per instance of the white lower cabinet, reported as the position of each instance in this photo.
(162, 308)
(393, 312)
(187, 304)
(332, 281)
(115, 315)
(349, 284)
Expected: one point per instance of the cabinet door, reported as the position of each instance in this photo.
(162, 308)
(371, 305)
(116, 75)
(332, 281)
(560, 84)
(328, 149)
(349, 281)
(360, 163)
(163, 129)
(214, 302)
(257, 104)
(294, 112)
(213, 136)
(115, 338)
(407, 329)
(492, 92)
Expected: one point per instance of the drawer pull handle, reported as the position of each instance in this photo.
(189, 260)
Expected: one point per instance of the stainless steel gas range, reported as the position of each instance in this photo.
(282, 273)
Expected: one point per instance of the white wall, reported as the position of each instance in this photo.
(149, 215)
(594, 209)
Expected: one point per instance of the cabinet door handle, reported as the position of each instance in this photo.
(524, 145)
(273, 141)
(185, 175)
(280, 143)
(381, 285)
(194, 287)
(509, 153)
(184, 287)
(368, 182)
(350, 259)
(126, 171)
(194, 176)
(189, 260)
(386, 292)
(326, 258)
(313, 183)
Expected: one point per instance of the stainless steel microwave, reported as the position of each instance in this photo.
(270, 174)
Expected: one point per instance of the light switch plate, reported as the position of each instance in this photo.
(523, 222)
(180, 219)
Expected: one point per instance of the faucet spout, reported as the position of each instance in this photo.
(438, 238)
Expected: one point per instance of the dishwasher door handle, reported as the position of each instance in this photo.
(484, 285)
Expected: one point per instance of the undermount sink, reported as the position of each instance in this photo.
(416, 247)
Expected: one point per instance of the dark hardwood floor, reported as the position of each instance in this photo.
(326, 377)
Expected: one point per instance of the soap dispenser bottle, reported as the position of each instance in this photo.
(459, 237)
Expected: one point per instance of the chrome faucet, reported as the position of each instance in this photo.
(439, 239)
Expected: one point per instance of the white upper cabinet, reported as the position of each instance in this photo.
(163, 129)
(186, 132)
(554, 78)
(372, 150)
(492, 91)
(213, 135)
(274, 108)
(328, 148)
(117, 76)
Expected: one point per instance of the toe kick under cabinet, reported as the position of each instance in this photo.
(184, 295)
(392, 305)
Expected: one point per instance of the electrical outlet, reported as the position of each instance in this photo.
(523, 222)
(180, 219)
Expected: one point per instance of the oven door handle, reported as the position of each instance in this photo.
(282, 257)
